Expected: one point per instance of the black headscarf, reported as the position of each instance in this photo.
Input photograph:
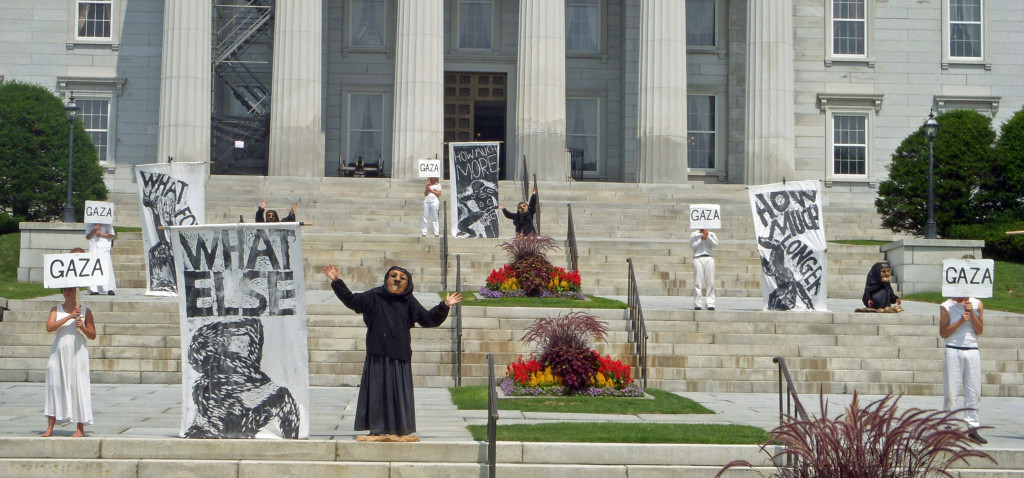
(876, 290)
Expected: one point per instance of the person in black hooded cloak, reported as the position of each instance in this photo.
(385, 404)
(523, 217)
(878, 293)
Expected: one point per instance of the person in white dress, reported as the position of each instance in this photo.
(67, 372)
(101, 239)
(431, 204)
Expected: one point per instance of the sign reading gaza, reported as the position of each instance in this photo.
(967, 278)
(705, 216)
(76, 270)
(99, 212)
(430, 168)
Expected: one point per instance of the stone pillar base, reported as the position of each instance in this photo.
(917, 263)
(38, 238)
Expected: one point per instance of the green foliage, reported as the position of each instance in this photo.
(8, 223)
(10, 288)
(998, 244)
(34, 156)
(474, 397)
(1010, 164)
(602, 432)
(964, 176)
(877, 441)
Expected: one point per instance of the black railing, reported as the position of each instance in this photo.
(571, 252)
(791, 398)
(639, 329)
(444, 245)
(458, 322)
(536, 211)
(525, 181)
(492, 419)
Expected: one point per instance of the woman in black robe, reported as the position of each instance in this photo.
(878, 293)
(523, 217)
(385, 405)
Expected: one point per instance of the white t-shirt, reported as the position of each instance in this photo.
(964, 335)
(97, 243)
(433, 198)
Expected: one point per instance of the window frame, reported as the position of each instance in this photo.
(986, 105)
(866, 105)
(76, 41)
(109, 89)
(718, 124)
(985, 59)
(456, 33)
(721, 28)
(386, 112)
(602, 28)
(390, 19)
(868, 58)
(599, 135)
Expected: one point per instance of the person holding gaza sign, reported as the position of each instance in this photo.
(385, 405)
(99, 230)
(702, 241)
(68, 395)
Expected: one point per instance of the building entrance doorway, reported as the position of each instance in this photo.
(476, 109)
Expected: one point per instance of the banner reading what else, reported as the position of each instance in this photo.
(245, 366)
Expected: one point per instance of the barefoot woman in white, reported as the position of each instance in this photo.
(67, 372)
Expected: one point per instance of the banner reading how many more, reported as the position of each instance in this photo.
(474, 174)
(790, 235)
(245, 364)
(170, 194)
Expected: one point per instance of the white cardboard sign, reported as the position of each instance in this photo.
(705, 216)
(430, 168)
(99, 212)
(76, 270)
(968, 278)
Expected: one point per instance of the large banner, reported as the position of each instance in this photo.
(790, 233)
(170, 194)
(245, 364)
(474, 175)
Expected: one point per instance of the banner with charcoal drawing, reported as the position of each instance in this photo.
(474, 175)
(245, 364)
(170, 194)
(790, 233)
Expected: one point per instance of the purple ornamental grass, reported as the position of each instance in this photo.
(876, 441)
(522, 247)
(577, 329)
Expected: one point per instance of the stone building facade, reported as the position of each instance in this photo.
(650, 91)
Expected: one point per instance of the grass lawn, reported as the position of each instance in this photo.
(468, 300)
(475, 398)
(603, 432)
(10, 288)
(1007, 290)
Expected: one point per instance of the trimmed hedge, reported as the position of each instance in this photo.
(998, 244)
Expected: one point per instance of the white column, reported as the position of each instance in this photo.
(419, 86)
(770, 123)
(540, 89)
(185, 81)
(296, 137)
(661, 111)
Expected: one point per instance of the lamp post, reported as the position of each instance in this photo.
(931, 129)
(71, 110)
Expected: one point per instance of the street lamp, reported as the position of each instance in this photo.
(71, 110)
(931, 129)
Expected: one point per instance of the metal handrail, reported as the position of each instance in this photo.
(458, 322)
(791, 396)
(636, 321)
(536, 212)
(571, 252)
(492, 419)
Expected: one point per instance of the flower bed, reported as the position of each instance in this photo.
(529, 274)
(530, 378)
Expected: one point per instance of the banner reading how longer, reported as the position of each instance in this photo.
(170, 194)
(245, 366)
(790, 232)
(474, 173)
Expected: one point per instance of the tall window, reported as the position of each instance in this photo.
(965, 28)
(365, 127)
(582, 26)
(94, 19)
(849, 144)
(94, 114)
(849, 22)
(700, 23)
(582, 133)
(700, 136)
(476, 18)
(368, 24)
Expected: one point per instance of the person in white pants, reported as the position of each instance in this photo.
(961, 321)
(431, 204)
(703, 268)
(101, 239)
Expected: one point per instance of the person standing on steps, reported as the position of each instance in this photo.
(702, 242)
(431, 204)
(101, 239)
(523, 217)
(272, 214)
(961, 321)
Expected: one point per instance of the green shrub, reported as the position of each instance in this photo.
(34, 156)
(1010, 164)
(8, 223)
(998, 244)
(964, 176)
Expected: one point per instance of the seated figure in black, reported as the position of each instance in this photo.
(878, 293)
(523, 217)
(272, 214)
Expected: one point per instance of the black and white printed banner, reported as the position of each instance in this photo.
(968, 278)
(245, 364)
(170, 194)
(474, 175)
(790, 232)
(76, 270)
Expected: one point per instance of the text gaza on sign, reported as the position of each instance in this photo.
(968, 275)
(705, 215)
(99, 211)
(77, 267)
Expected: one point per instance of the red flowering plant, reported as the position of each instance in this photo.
(614, 372)
(529, 274)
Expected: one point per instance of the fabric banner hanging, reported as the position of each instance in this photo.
(790, 232)
(474, 175)
(170, 194)
(245, 363)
